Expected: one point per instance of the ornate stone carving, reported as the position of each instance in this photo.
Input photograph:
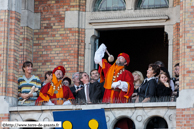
(139, 118)
(122, 15)
(171, 117)
(46, 119)
(107, 118)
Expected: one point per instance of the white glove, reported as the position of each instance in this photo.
(115, 84)
(67, 102)
(123, 86)
(49, 103)
(99, 54)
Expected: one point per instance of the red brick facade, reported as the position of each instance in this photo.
(26, 46)
(54, 44)
(176, 44)
(4, 117)
(185, 116)
(176, 2)
(9, 52)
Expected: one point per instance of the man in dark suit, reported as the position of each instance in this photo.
(90, 92)
(95, 77)
(76, 86)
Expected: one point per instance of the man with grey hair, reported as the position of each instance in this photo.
(76, 84)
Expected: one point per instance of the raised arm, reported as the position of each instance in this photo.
(99, 54)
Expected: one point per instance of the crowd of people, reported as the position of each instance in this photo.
(108, 84)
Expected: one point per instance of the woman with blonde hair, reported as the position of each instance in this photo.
(138, 79)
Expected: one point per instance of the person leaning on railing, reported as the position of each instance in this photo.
(138, 79)
(147, 90)
(67, 81)
(55, 92)
(27, 96)
(118, 81)
(163, 89)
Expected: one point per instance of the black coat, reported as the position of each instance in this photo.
(95, 92)
(147, 89)
(73, 91)
(162, 90)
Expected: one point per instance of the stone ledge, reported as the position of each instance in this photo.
(93, 106)
(30, 19)
(132, 20)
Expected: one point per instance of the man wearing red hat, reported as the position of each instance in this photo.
(55, 93)
(118, 81)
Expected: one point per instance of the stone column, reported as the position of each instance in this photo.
(169, 30)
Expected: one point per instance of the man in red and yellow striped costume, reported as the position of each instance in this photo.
(55, 93)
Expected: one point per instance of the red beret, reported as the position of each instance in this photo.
(126, 56)
(59, 68)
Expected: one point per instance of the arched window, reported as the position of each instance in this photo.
(147, 4)
(109, 5)
(157, 123)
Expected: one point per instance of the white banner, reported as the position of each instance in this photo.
(37, 124)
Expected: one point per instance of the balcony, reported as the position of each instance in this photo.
(139, 113)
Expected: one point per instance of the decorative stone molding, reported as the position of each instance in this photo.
(138, 20)
(126, 17)
(123, 14)
(139, 118)
(139, 113)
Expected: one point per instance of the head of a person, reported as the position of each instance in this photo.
(163, 69)
(138, 76)
(84, 78)
(66, 81)
(176, 70)
(159, 63)
(153, 70)
(27, 67)
(59, 72)
(94, 75)
(123, 59)
(163, 77)
(75, 78)
(48, 76)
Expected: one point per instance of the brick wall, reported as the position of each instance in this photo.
(185, 116)
(176, 44)
(187, 45)
(176, 2)
(26, 46)
(3, 117)
(54, 44)
(9, 53)
(3, 48)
